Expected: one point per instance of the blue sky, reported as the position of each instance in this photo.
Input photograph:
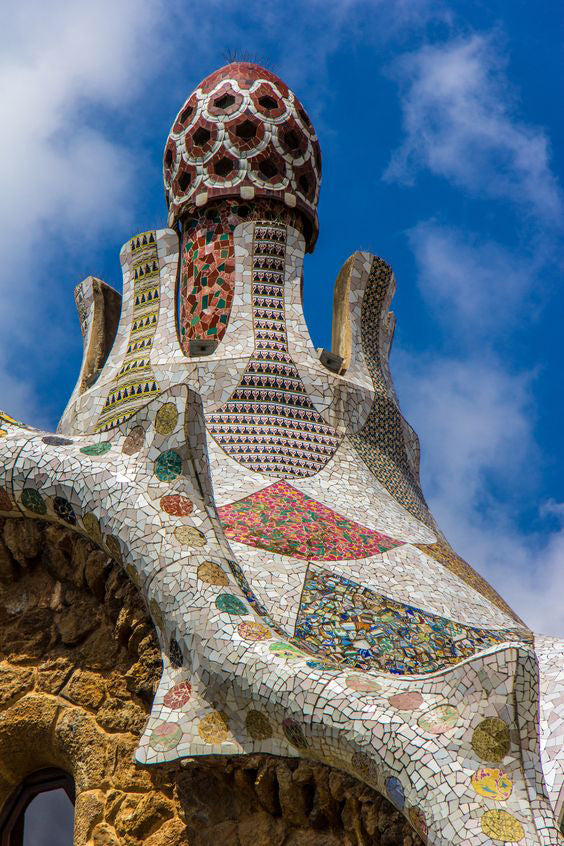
(441, 129)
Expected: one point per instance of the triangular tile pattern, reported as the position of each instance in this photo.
(270, 424)
(281, 519)
(135, 383)
(381, 440)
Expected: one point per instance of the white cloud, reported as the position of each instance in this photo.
(479, 465)
(551, 508)
(460, 124)
(474, 421)
(17, 399)
(61, 60)
(533, 579)
(64, 180)
(474, 284)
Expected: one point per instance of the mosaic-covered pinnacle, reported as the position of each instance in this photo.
(243, 134)
(269, 507)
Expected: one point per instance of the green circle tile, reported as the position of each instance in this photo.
(168, 465)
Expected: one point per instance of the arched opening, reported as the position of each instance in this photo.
(40, 812)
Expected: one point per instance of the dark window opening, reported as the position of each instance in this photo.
(168, 158)
(268, 168)
(246, 130)
(201, 136)
(40, 812)
(184, 180)
(303, 182)
(291, 140)
(184, 115)
(268, 102)
(224, 102)
(223, 167)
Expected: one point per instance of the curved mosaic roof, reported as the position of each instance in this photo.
(243, 133)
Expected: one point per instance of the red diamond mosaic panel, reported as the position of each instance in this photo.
(208, 272)
(208, 264)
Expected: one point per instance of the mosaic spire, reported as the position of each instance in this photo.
(265, 498)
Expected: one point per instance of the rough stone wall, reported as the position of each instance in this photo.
(79, 663)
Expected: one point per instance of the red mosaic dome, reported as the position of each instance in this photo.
(242, 133)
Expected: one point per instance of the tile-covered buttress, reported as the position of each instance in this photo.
(268, 504)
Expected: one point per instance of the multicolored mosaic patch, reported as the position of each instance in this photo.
(356, 626)
(214, 727)
(492, 783)
(178, 696)
(165, 736)
(208, 264)
(502, 826)
(491, 739)
(284, 520)
(208, 277)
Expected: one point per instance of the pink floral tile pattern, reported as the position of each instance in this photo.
(284, 520)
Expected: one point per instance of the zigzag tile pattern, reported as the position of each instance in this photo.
(135, 382)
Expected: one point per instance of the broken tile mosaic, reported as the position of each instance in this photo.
(269, 508)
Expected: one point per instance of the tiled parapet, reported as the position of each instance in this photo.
(146, 335)
(98, 308)
(385, 442)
